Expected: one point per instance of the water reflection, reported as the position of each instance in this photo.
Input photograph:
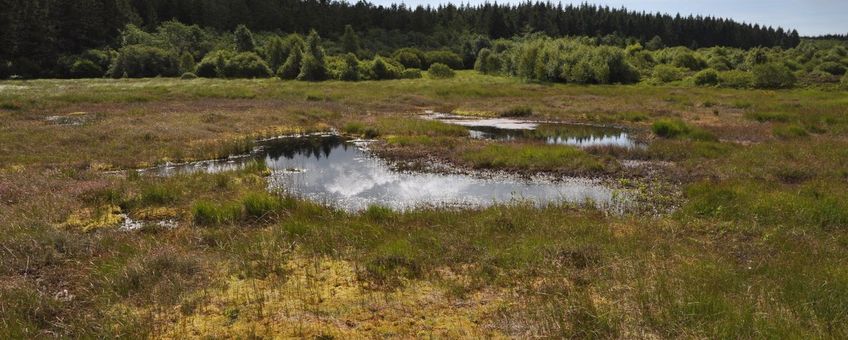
(330, 170)
(505, 129)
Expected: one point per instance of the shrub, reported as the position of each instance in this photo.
(213, 64)
(411, 73)
(312, 69)
(246, 65)
(844, 82)
(291, 68)
(488, 62)
(408, 59)
(187, 63)
(139, 61)
(756, 56)
(380, 70)
(736, 79)
(708, 77)
(670, 128)
(188, 76)
(83, 68)
(719, 63)
(666, 73)
(440, 71)
(687, 59)
(833, 68)
(452, 60)
(206, 69)
(350, 68)
(773, 76)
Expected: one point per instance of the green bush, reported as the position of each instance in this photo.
(291, 68)
(350, 71)
(488, 62)
(440, 71)
(187, 63)
(83, 68)
(707, 77)
(844, 82)
(138, 61)
(452, 60)
(687, 59)
(736, 79)
(833, 68)
(213, 64)
(666, 73)
(719, 63)
(246, 65)
(408, 59)
(670, 128)
(773, 76)
(411, 73)
(381, 70)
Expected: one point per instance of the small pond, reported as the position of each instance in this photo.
(342, 173)
(506, 129)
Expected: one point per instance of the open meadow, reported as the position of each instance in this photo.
(746, 235)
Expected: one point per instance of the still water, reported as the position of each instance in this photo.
(341, 173)
(506, 129)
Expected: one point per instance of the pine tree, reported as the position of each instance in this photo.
(276, 52)
(313, 67)
(350, 40)
(291, 68)
(244, 39)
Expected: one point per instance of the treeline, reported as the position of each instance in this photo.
(35, 34)
(583, 61)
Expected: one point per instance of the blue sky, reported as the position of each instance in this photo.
(810, 17)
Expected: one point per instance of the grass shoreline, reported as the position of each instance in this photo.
(754, 249)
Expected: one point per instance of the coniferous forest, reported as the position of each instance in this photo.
(35, 35)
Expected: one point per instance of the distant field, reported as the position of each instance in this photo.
(751, 240)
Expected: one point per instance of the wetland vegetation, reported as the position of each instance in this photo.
(751, 242)
(485, 183)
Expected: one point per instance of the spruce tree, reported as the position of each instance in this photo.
(244, 39)
(313, 67)
(276, 53)
(350, 40)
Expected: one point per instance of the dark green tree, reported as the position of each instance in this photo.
(244, 39)
(313, 67)
(350, 40)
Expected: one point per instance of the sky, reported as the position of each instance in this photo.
(809, 17)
